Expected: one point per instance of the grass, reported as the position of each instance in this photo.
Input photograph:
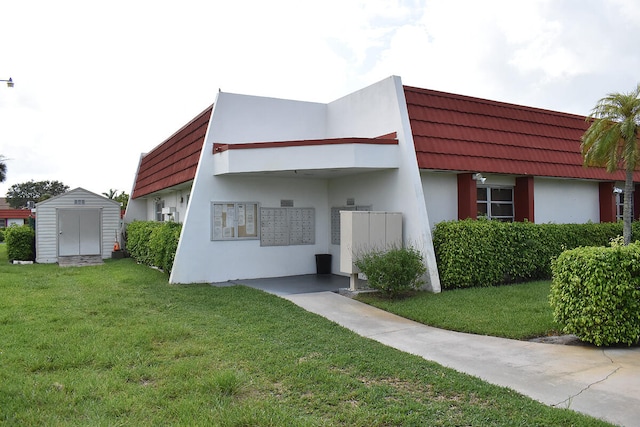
(116, 345)
(519, 311)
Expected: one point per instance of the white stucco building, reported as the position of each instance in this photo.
(259, 182)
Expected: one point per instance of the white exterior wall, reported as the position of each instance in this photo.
(173, 199)
(241, 119)
(374, 111)
(136, 210)
(441, 196)
(368, 189)
(216, 261)
(46, 234)
(377, 110)
(566, 201)
(555, 200)
(47, 222)
(144, 208)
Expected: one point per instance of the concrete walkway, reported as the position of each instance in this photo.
(604, 383)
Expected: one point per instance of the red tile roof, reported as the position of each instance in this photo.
(15, 213)
(7, 212)
(450, 132)
(175, 160)
(461, 133)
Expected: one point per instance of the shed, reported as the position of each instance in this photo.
(75, 225)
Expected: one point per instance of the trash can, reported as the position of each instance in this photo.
(323, 263)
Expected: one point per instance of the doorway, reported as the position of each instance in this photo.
(79, 232)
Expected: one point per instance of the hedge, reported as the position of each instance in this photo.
(486, 253)
(20, 241)
(595, 294)
(153, 243)
(163, 243)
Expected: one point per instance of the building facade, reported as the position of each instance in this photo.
(259, 183)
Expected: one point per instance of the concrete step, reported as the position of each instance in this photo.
(79, 260)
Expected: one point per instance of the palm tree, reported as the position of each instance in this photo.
(3, 169)
(612, 141)
(111, 194)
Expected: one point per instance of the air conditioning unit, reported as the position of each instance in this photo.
(168, 211)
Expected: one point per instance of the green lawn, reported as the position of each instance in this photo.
(519, 311)
(116, 345)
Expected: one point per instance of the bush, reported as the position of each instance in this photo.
(153, 243)
(1, 236)
(163, 244)
(486, 253)
(393, 271)
(20, 240)
(595, 294)
(137, 240)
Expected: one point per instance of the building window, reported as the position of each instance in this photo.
(620, 206)
(158, 207)
(3, 223)
(495, 203)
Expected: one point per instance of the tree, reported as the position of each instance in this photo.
(3, 169)
(612, 141)
(123, 197)
(19, 194)
(111, 194)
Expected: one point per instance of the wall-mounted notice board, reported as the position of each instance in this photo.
(234, 220)
(287, 226)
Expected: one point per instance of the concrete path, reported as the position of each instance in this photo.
(604, 383)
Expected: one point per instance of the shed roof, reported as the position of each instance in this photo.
(175, 160)
(74, 193)
(462, 133)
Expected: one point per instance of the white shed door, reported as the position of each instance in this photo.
(78, 232)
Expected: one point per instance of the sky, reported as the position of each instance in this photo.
(98, 83)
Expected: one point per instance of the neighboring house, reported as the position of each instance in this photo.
(259, 182)
(76, 224)
(10, 216)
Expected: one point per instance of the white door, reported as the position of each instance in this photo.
(78, 232)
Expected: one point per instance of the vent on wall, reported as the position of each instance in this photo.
(286, 203)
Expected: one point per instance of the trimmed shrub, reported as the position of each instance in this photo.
(137, 240)
(487, 253)
(394, 271)
(163, 244)
(153, 243)
(595, 294)
(20, 240)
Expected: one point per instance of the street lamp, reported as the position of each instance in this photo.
(9, 82)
